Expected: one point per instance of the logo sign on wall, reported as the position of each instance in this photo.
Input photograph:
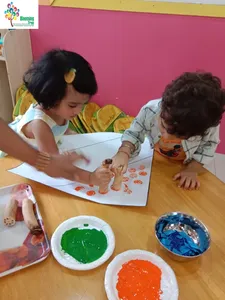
(19, 14)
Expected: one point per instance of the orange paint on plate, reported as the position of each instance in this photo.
(138, 181)
(91, 193)
(143, 173)
(138, 280)
(142, 167)
(91, 185)
(79, 188)
(125, 179)
(132, 170)
(133, 175)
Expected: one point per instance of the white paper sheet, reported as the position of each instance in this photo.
(97, 147)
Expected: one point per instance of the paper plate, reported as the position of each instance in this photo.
(78, 222)
(169, 285)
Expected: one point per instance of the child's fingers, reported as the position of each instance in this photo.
(105, 171)
(105, 174)
(124, 169)
(105, 179)
(177, 176)
(105, 182)
(82, 157)
(182, 181)
(73, 156)
(193, 185)
(187, 183)
(197, 185)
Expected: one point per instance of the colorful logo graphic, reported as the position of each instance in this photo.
(12, 13)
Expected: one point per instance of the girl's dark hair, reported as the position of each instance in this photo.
(193, 103)
(45, 78)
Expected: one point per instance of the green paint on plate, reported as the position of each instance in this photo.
(85, 245)
(86, 225)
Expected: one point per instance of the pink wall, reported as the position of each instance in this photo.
(134, 55)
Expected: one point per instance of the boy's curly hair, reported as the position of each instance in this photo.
(193, 103)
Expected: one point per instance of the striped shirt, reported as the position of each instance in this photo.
(200, 148)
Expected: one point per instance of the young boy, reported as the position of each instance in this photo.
(183, 126)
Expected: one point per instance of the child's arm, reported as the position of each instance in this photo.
(188, 177)
(11, 143)
(44, 137)
(60, 165)
(46, 143)
(134, 136)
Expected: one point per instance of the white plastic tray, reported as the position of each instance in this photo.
(18, 247)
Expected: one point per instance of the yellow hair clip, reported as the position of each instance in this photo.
(70, 76)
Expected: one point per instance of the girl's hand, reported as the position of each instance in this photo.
(120, 160)
(101, 176)
(188, 180)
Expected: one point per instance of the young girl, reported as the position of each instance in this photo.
(183, 126)
(61, 82)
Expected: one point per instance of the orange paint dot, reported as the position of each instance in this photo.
(103, 193)
(91, 193)
(125, 187)
(142, 167)
(138, 181)
(125, 179)
(138, 280)
(91, 185)
(112, 188)
(143, 173)
(79, 188)
(132, 170)
(133, 175)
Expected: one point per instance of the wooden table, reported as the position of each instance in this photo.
(203, 278)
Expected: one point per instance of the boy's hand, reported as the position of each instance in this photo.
(188, 179)
(101, 176)
(120, 161)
